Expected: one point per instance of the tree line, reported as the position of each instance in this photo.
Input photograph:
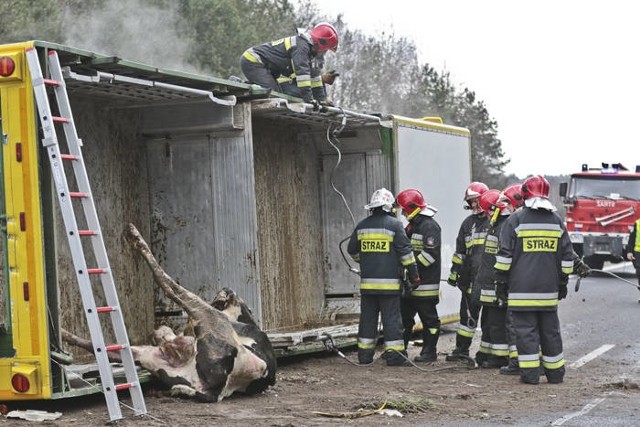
(378, 73)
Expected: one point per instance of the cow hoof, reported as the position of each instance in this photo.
(182, 390)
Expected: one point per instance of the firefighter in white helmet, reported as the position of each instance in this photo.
(532, 272)
(425, 235)
(464, 266)
(381, 246)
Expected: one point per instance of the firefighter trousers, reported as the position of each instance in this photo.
(426, 310)
(511, 339)
(258, 74)
(539, 331)
(469, 316)
(371, 307)
(494, 332)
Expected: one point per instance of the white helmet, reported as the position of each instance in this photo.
(381, 198)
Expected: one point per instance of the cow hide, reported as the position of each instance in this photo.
(227, 353)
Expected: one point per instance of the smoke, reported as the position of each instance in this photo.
(131, 29)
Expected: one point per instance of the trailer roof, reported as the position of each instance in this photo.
(86, 62)
(131, 83)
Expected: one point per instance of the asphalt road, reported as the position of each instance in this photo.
(601, 331)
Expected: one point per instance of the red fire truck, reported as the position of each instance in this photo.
(601, 207)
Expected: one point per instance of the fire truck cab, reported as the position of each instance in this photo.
(601, 207)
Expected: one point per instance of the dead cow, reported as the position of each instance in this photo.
(227, 353)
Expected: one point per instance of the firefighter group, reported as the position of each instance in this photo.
(512, 262)
(512, 257)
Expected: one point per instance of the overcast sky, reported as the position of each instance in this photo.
(562, 78)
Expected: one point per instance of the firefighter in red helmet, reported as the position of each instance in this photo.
(493, 344)
(425, 235)
(297, 55)
(464, 266)
(532, 271)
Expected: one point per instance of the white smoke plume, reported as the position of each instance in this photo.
(132, 30)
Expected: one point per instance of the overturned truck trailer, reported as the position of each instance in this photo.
(231, 185)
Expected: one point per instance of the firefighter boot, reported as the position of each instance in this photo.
(530, 375)
(512, 368)
(428, 352)
(462, 349)
(397, 358)
(555, 376)
(365, 357)
(494, 362)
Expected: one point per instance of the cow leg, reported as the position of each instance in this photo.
(190, 302)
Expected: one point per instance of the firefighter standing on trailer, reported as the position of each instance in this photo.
(265, 63)
(532, 272)
(381, 246)
(464, 266)
(425, 235)
(632, 250)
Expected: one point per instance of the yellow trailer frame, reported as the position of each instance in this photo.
(25, 367)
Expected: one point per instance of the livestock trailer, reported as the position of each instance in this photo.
(231, 185)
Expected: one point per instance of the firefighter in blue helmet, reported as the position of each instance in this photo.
(532, 272)
(383, 250)
(294, 55)
(425, 235)
(464, 266)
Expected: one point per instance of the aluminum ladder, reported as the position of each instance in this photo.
(75, 235)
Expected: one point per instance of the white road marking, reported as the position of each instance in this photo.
(588, 407)
(589, 357)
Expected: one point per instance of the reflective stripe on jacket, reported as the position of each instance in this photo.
(426, 239)
(381, 246)
(469, 246)
(287, 56)
(536, 255)
(486, 276)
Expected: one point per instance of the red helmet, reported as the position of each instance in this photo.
(513, 194)
(475, 190)
(324, 37)
(535, 186)
(489, 200)
(411, 201)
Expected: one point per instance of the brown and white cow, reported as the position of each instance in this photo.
(228, 352)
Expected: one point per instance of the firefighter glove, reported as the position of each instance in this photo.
(414, 276)
(580, 268)
(453, 278)
(502, 292)
(315, 104)
(562, 291)
(329, 77)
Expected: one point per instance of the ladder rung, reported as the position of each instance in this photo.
(78, 195)
(96, 270)
(123, 386)
(105, 309)
(57, 119)
(115, 347)
(87, 232)
(69, 157)
(51, 82)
